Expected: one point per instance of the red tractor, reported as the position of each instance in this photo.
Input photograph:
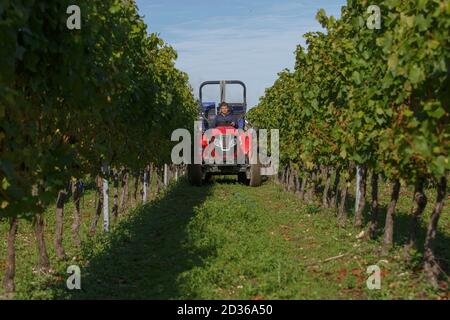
(234, 143)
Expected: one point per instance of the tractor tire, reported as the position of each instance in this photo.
(255, 175)
(195, 174)
(208, 178)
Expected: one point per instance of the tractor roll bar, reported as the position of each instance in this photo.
(222, 88)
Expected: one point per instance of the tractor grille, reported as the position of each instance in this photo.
(225, 142)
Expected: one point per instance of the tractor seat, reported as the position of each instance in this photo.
(211, 118)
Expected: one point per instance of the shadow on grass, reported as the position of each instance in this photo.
(225, 180)
(232, 179)
(402, 224)
(146, 254)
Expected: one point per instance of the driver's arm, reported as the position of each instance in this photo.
(231, 120)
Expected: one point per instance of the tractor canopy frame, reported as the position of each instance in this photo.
(223, 85)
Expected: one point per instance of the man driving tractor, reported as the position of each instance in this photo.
(224, 118)
(233, 139)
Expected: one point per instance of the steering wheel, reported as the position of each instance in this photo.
(225, 124)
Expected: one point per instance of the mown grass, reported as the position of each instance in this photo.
(229, 241)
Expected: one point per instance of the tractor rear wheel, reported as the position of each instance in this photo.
(255, 175)
(195, 174)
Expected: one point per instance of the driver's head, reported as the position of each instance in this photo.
(224, 108)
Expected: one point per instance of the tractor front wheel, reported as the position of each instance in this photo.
(208, 178)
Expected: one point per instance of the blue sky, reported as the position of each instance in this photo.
(249, 40)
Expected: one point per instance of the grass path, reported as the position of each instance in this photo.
(229, 241)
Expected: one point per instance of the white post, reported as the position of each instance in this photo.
(105, 200)
(166, 175)
(144, 200)
(358, 183)
(176, 173)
